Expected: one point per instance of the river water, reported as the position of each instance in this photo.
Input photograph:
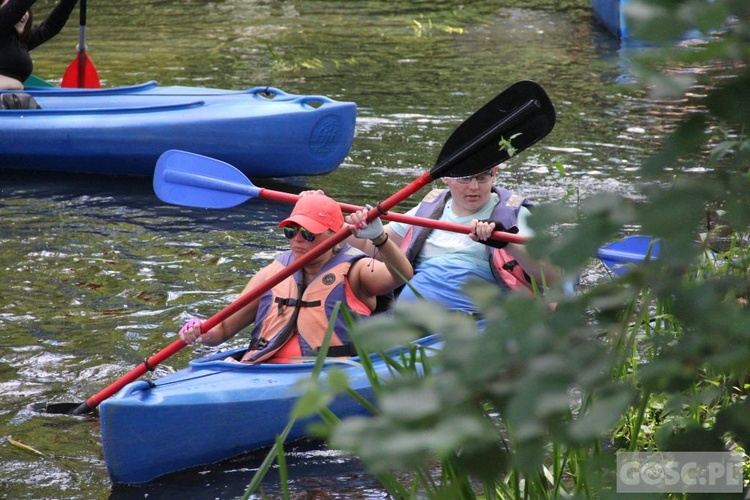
(97, 273)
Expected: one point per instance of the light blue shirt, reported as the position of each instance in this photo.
(449, 260)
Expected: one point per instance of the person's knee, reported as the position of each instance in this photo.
(18, 100)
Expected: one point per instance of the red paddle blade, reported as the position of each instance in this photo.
(81, 73)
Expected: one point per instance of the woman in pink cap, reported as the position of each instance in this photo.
(290, 319)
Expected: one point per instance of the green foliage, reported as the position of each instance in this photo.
(656, 360)
(536, 402)
(505, 145)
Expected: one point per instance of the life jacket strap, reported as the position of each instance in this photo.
(340, 351)
(294, 303)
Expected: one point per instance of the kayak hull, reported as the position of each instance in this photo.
(212, 411)
(264, 132)
(621, 256)
(610, 13)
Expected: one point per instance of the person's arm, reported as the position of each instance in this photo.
(52, 25)
(377, 277)
(395, 230)
(542, 271)
(229, 327)
(368, 247)
(12, 12)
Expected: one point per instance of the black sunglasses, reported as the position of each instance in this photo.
(291, 231)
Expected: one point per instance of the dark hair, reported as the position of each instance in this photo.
(26, 33)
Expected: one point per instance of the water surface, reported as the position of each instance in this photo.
(97, 273)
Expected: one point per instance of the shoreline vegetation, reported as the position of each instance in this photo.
(539, 403)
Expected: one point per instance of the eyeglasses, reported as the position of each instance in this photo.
(291, 232)
(482, 178)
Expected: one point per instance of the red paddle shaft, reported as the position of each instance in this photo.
(406, 219)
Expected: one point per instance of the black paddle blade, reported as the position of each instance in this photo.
(63, 408)
(521, 115)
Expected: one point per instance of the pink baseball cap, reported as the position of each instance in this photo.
(317, 213)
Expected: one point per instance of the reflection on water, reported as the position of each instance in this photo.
(97, 273)
(311, 468)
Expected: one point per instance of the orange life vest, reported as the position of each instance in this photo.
(291, 310)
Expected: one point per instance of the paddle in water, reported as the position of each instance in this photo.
(522, 110)
(81, 73)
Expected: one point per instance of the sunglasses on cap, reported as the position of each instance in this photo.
(291, 231)
(482, 178)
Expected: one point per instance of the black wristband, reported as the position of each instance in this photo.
(385, 240)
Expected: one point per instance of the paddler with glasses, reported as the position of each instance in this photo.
(444, 261)
(290, 319)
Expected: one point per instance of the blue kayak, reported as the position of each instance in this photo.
(612, 15)
(263, 131)
(621, 256)
(214, 410)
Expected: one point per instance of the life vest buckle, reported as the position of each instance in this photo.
(257, 343)
(294, 303)
(510, 265)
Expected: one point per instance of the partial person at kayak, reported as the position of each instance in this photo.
(290, 319)
(444, 261)
(18, 37)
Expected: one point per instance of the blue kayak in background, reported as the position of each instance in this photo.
(263, 131)
(621, 256)
(612, 14)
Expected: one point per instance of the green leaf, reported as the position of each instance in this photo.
(312, 401)
(601, 415)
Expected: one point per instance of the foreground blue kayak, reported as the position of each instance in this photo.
(263, 131)
(212, 411)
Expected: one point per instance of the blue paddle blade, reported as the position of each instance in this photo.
(619, 255)
(194, 180)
